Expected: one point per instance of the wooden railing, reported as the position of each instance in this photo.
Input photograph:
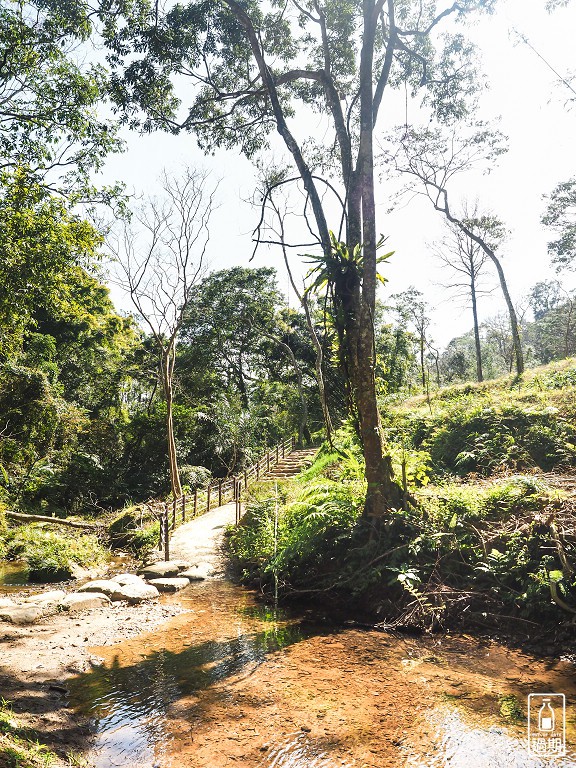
(222, 491)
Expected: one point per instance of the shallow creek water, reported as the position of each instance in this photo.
(234, 683)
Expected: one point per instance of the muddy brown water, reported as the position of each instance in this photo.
(233, 682)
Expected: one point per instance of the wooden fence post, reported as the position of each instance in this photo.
(219, 493)
(268, 461)
(258, 470)
(208, 491)
(245, 479)
(166, 534)
(184, 508)
(174, 514)
(277, 455)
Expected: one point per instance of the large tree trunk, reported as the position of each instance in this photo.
(168, 358)
(479, 375)
(382, 492)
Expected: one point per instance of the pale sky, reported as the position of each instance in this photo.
(535, 115)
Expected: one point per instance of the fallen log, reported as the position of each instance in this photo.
(45, 519)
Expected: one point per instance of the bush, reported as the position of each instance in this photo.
(51, 556)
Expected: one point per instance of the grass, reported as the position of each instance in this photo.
(496, 426)
(19, 746)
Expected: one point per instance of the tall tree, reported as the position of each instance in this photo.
(466, 260)
(160, 258)
(432, 160)
(412, 309)
(252, 66)
(49, 123)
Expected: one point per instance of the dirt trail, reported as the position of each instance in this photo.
(199, 542)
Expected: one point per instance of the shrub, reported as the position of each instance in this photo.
(51, 556)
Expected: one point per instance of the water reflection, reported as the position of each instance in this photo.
(464, 744)
(197, 693)
(131, 703)
(13, 574)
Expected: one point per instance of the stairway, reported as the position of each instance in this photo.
(293, 464)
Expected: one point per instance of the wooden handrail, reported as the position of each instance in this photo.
(200, 501)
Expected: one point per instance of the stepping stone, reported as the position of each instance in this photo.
(169, 585)
(160, 570)
(83, 601)
(194, 574)
(127, 578)
(22, 614)
(100, 585)
(134, 593)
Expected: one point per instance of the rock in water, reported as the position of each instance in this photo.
(160, 570)
(134, 593)
(169, 585)
(195, 574)
(105, 586)
(127, 578)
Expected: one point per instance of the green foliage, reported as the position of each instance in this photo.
(42, 241)
(135, 530)
(19, 746)
(50, 556)
(559, 216)
(495, 426)
(48, 118)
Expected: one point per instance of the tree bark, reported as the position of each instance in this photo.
(167, 365)
(479, 375)
(45, 519)
(382, 492)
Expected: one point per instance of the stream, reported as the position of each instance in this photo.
(233, 682)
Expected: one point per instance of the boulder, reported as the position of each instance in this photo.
(169, 585)
(83, 601)
(194, 574)
(164, 570)
(46, 598)
(134, 593)
(22, 614)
